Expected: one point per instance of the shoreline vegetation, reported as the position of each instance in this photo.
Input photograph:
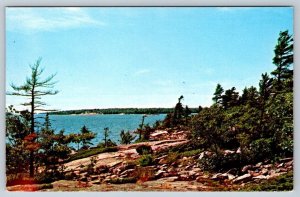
(150, 111)
(242, 142)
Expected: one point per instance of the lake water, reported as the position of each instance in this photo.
(97, 123)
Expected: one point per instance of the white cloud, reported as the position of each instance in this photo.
(142, 72)
(31, 20)
(233, 8)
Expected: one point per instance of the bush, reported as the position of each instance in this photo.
(221, 162)
(123, 180)
(260, 149)
(281, 183)
(109, 144)
(145, 160)
(144, 173)
(144, 149)
(94, 151)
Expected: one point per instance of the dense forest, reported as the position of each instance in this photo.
(258, 123)
(120, 111)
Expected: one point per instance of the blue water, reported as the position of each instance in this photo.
(97, 123)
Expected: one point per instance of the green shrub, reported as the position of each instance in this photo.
(190, 153)
(261, 149)
(109, 143)
(144, 149)
(281, 183)
(123, 180)
(144, 173)
(90, 152)
(145, 160)
(45, 186)
(221, 162)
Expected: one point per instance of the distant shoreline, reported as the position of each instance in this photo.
(121, 111)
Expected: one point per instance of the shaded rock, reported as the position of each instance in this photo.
(113, 164)
(114, 176)
(192, 173)
(246, 168)
(271, 176)
(260, 177)
(158, 133)
(94, 177)
(271, 172)
(202, 178)
(243, 178)
(170, 179)
(228, 152)
(126, 172)
(286, 159)
(96, 182)
(264, 171)
(201, 155)
(290, 163)
(196, 169)
(280, 165)
(101, 169)
(216, 176)
(230, 177)
(258, 165)
(268, 166)
(184, 177)
(254, 173)
(159, 173)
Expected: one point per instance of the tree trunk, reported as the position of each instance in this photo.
(31, 158)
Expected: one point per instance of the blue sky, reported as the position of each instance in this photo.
(142, 57)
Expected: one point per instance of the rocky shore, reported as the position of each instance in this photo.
(121, 171)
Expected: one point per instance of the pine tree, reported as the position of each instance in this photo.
(34, 89)
(218, 94)
(283, 59)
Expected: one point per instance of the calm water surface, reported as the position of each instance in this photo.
(96, 123)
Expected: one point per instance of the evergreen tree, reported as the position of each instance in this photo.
(126, 137)
(187, 112)
(283, 59)
(178, 112)
(218, 94)
(106, 135)
(34, 89)
(86, 137)
(230, 98)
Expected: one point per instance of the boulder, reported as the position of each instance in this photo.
(268, 166)
(230, 177)
(271, 172)
(246, 168)
(239, 150)
(228, 152)
(258, 165)
(243, 178)
(288, 164)
(264, 171)
(126, 172)
(280, 165)
(216, 176)
(201, 155)
(202, 178)
(114, 176)
(192, 173)
(159, 173)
